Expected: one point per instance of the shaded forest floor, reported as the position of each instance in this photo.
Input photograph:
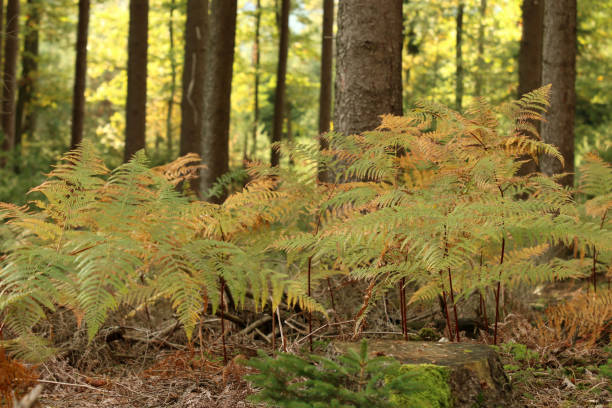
(130, 366)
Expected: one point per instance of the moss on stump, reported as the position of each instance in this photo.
(458, 375)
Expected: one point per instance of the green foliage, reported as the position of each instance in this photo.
(605, 370)
(100, 239)
(434, 392)
(436, 193)
(595, 192)
(427, 197)
(520, 352)
(353, 380)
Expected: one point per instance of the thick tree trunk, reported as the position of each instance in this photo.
(256, 66)
(25, 118)
(80, 75)
(220, 59)
(281, 74)
(194, 74)
(530, 53)
(136, 104)
(559, 69)
(481, 40)
(173, 65)
(530, 59)
(368, 64)
(459, 57)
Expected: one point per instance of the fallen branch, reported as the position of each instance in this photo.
(28, 400)
(256, 324)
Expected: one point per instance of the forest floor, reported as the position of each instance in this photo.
(137, 367)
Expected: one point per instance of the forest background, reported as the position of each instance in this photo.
(490, 47)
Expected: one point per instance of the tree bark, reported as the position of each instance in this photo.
(11, 51)
(481, 40)
(459, 57)
(368, 64)
(256, 66)
(80, 75)
(220, 59)
(281, 83)
(325, 92)
(25, 118)
(559, 69)
(327, 49)
(172, 95)
(136, 104)
(530, 60)
(530, 53)
(1, 28)
(194, 74)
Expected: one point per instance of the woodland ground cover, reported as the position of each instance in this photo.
(114, 280)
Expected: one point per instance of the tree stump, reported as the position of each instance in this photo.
(473, 373)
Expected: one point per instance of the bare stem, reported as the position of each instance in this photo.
(497, 293)
(452, 297)
(309, 311)
(222, 306)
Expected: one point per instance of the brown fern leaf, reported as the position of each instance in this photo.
(580, 323)
(181, 169)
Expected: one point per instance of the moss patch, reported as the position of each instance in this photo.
(435, 393)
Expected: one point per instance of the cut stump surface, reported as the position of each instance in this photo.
(476, 375)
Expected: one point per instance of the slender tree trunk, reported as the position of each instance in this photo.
(5, 142)
(136, 104)
(481, 40)
(281, 83)
(327, 49)
(25, 118)
(11, 51)
(194, 74)
(80, 75)
(220, 57)
(1, 28)
(459, 57)
(256, 65)
(368, 64)
(559, 69)
(325, 92)
(530, 59)
(173, 65)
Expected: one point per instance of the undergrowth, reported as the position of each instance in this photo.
(432, 199)
(351, 380)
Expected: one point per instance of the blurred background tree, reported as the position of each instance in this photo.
(490, 38)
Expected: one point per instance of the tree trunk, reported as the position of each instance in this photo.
(220, 59)
(459, 58)
(1, 28)
(194, 74)
(327, 48)
(25, 118)
(11, 51)
(530, 59)
(530, 53)
(481, 40)
(256, 66)
(325, 92)
(80, 75)
(559, 69)
(368, 64)
(281, 74)
(172, 79)
(136, 104)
